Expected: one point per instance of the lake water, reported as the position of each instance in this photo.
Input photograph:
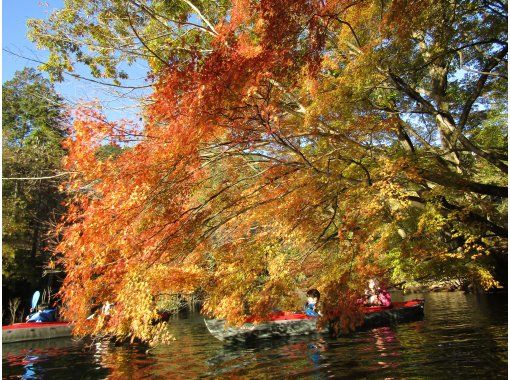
(461, 336)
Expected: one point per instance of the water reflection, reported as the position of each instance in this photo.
(385, 346)
(460, 336)
(31, 369)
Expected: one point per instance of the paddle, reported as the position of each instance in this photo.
(35, 298)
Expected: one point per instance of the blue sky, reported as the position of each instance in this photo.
(15, 14)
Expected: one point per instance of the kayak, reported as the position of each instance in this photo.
(285, 323)
(20, 332)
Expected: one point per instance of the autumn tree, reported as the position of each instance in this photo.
(310, 143)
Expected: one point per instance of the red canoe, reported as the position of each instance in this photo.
(288, 323)
(20, 332)
(376, 316)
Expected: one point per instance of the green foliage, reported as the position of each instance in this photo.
(108, 151)
(170, 303)
(104, 35)
(32, 131)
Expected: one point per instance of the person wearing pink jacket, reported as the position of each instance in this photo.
(376, 295)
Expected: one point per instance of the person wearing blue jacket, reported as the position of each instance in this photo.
(44, 314)
(313, 297)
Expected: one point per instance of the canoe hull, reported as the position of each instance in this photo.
(414, 310)
(221, 331)
(21, 332)
(394, 315)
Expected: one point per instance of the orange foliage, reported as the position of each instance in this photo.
(229, 188)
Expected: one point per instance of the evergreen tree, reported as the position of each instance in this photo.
(33, 123)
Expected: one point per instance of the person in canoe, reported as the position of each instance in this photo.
(104, 310)
(376, 295)
(313, 297)
(43, 314)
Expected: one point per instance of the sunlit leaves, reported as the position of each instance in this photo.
(298, 152)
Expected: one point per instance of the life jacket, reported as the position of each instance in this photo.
(384, 297)
(310, 310)
(46, 315)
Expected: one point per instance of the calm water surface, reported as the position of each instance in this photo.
(461, 336)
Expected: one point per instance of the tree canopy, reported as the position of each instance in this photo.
(300, 143)
(33, 128)
(107, 35)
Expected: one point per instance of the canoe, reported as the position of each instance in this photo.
(398, 312)
(20, 332)
(291, 324)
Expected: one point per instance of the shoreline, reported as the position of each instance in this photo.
(445, 286)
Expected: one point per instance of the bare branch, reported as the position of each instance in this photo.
(78, 76)
(38, 178)
(199, 14)
(480, 84)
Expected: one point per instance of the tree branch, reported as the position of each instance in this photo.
(38, 178)
(480, 84)
(454, 181)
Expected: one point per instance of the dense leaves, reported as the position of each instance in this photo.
(33, 127)
(313, 144)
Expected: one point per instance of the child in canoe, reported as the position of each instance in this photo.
(313, 297)
(376, 295)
